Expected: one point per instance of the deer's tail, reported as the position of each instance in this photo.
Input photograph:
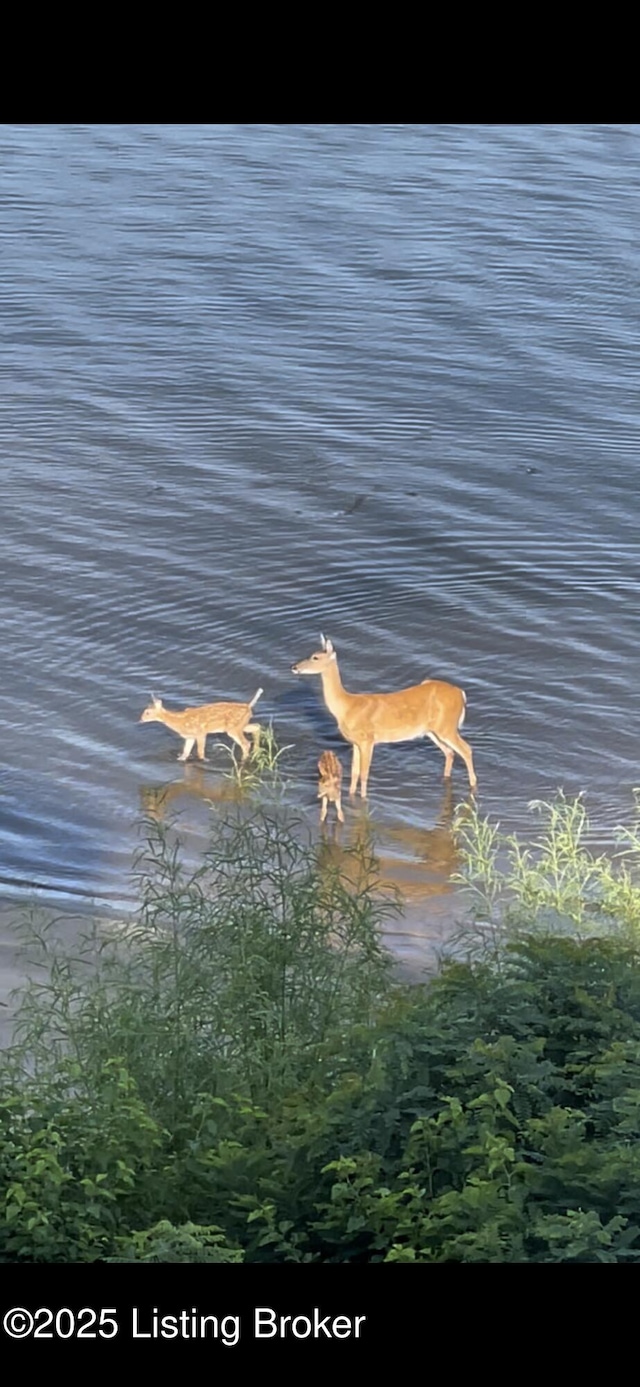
(464, 708)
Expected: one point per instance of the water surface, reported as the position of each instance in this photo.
(258, 382)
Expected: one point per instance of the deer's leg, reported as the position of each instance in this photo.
(239, 737)
(446, 752)
(339, 810)
(255, 728)
(323, 811)
(201, 741)
(355, 769)
(457, 743)
(189, 743)
(366, 752)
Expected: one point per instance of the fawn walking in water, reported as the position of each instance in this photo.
(431, 709)
(195, 724)
(329, 788)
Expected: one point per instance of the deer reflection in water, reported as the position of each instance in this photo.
(428, 857)
(418, 863)
(157, 801)
(423, 865)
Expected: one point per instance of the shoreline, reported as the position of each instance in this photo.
(64, 924)
(414, 938)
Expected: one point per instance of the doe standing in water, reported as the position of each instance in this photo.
(431, 709)
(330, 785)
(195, 724)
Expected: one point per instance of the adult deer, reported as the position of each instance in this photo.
(431, 709)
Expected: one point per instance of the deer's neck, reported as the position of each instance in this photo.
(172, 720)
(335, 695)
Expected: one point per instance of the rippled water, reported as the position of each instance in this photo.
(260, 382)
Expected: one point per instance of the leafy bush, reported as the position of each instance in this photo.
(248, 970)
(238, 1077)
(72, 1171)
(165, 1243)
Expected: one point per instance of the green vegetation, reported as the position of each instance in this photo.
(237, 1075)
(556, 883)
(261, 769)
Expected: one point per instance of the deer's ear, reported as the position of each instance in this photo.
(328, 645)
(323, 641)
(157, 702)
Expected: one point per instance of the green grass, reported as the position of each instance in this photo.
(237, 1075)
(553, 882)
(261, 770)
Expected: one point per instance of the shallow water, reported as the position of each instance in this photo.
(265, 381)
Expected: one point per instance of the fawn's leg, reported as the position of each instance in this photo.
(339, 810)
(189, 743)
(237, 736)
(323, 811)
(201, 740)
(255, 728)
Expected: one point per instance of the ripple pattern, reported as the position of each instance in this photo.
(259, 382)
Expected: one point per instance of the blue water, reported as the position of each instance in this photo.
(263, 381)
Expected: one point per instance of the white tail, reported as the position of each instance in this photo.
(431, 709)
(195, 724)
(330, 786)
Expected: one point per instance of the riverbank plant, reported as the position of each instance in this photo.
(237, 1075)
(261, 770)
(554, 881)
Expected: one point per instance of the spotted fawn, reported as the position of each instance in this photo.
(330, 783)
(195, 724)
